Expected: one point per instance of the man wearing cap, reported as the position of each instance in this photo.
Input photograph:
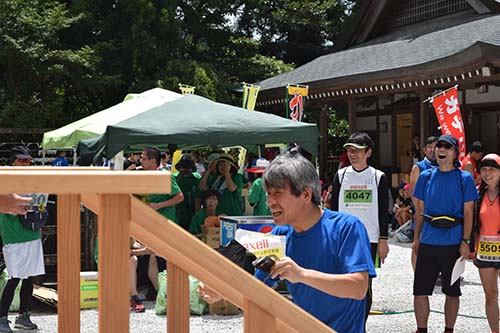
(363, 191)
(222, 176)
(23, 255)
(428, 162)
(257, 196)
(469, 162)
(188, 180)
(444, 199)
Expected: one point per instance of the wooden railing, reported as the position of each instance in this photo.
(121, 215)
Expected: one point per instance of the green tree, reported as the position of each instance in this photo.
(43, 83)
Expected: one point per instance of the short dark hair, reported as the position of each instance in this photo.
(430, 140)
(208, 194)
(153, 153)
(476, 146)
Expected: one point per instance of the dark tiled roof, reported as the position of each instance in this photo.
(413, 45)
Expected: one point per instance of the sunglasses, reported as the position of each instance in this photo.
(24, 160)
(444, 145)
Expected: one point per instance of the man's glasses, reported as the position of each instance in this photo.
(444, 145)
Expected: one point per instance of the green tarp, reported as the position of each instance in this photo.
(194, 120)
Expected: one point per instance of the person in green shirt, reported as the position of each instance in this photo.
(23, 255)
(210, 208)
(163, 203)
(222, 176)
(257, 196)
(188, 180)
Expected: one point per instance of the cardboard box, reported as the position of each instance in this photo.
(89, 290)
(398, 178)
(222, 308)
(210, 236)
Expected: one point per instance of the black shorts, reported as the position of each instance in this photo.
(432, 260)
(486, 264)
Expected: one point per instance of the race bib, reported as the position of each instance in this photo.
(358, 197)
(488, 248)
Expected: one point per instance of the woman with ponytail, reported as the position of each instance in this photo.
(487, 235)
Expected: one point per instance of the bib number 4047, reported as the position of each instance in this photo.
(358, 196)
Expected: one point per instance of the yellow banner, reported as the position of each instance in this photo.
(176, 157)
(250, 93)
(185, 89)
(302, 90)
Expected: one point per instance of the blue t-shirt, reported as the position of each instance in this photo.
(424, 164)
(337, 244)
(444, 193)
(60, 161)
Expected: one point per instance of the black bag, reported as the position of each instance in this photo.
(238, 254)
(34, 220)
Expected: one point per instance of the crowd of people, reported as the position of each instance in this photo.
(451, 207)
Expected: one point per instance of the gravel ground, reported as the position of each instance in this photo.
(392, 293)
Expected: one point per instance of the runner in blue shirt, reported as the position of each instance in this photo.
(444, 199)
(328, 260)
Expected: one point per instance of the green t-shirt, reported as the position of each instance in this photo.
(189, 187)
(13, 231)
(168, 212)
(258, 197)
(198, 220)
(230, 202)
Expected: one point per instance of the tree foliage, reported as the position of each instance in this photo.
(61, 60)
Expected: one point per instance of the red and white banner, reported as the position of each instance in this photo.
(449, 116)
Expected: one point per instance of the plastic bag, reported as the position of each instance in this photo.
(197, 306)
(260, 244)
(4, 277)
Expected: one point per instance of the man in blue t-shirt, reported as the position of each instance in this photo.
(444, 199)
(328, 261)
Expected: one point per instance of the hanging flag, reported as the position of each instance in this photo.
(250, 93)
(185, 89)
(449, 116)
(295, 98)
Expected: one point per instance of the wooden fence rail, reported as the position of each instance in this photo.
(120, 215)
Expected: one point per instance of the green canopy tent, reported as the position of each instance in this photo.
(67, 137)
(194, 120)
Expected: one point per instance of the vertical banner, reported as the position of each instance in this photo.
(295, 99)
(449, 116)
(250, 93)
(185, 89)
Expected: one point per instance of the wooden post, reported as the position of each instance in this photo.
(114, 262)
(323, 147)
(177, 299)
(68, 262)
(257, 320)
(423, 115)
(351, 105)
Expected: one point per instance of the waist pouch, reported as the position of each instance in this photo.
(443, 221)
(34, 220)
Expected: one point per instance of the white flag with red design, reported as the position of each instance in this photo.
(450, 118)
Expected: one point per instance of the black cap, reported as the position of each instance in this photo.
(20, 152)
(186, 162)
(360, 140)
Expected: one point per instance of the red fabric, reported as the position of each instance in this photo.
(449, 117)
(466, 160)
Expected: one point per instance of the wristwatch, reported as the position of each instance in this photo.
(467, 241)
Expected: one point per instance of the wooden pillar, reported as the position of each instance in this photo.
(114, 262)
(423, 116)
(257, 320)
(68, 262)
(351, 106)
(323, 150)
(177, 300)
